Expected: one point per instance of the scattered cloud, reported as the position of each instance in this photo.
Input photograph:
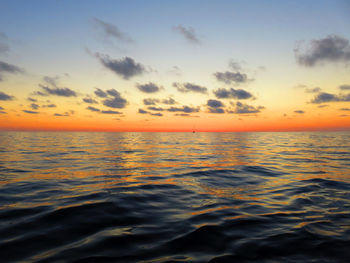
(216, 110)
(169, 101)
(30, 112)
(4, 96)
(2, 110)
(110, 31)
(31, 99)
(125, 67)
(231, 93)
(110, 112)
(299, 111)
(49, 106)
(236, 65)
(150, 101)
(185, 109)
(63, 92)
(117, 101)
(66, 114)
(188, 33)
(332, 48)
(156, 114)
(51, 80)
(175, 70)
(345, 109)
(185, 115)
(241, 108)
(344, 87)
(90, 108)
(229, 77)
(141, 111)
(9, 68)
(34, 106)
(100, 93)
(215, 103)
(155, 108)
(90, 101)
(322, 106)
(328, 97)
(313, 90)
(189, 87)
(148, 88)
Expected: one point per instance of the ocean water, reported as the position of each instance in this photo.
(174, 197)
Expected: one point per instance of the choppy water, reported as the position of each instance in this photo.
(168, 197)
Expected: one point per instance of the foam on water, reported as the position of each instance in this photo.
(174, 197)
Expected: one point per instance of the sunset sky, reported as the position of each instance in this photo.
(174, 65)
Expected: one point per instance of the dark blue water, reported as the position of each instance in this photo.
(174, 197)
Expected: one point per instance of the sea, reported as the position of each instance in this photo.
(174, 197)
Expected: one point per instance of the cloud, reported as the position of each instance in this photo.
(185, 115)
(51, 80)
(90, 108)
(329, 49)
(156, 114)
(116, 102)
(1, 108)
(241, 108)
(8, 68)
(155, 108)
(215, 103)
(49, 106)
(4, 96)
(229, 77)
(39, 93)
(150, 101)
(215, 106)
(313, 90)
(188, 33)
(175, 70)
(113, 93)
(125, 67)
(100, 93)
(189, 87)
(322, 106)
(231, 93)
(90, 101)
(141, 111)
(328, 97)
(66, 114)
(185, 109)
(63, 92)
(148, 88)
(236, 65)
(216, 110)
(345, 109)
(34, 106)
(344, 87)
(111, 31)
(30, 112)
(169, 101)
(31, 99)
(110, 112)
(299, 111)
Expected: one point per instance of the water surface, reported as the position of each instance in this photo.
(174, 197)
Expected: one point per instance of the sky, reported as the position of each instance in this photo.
(174, 65)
